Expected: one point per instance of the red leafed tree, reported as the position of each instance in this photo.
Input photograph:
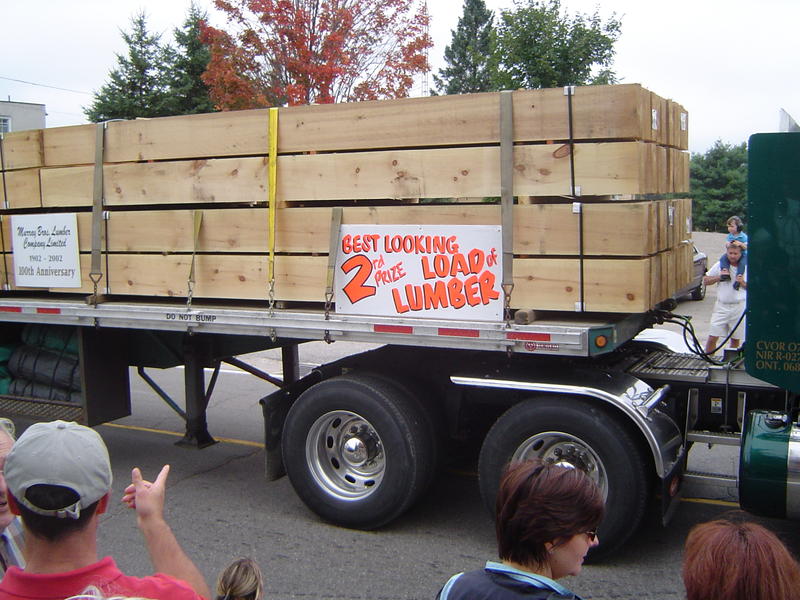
(279, 52)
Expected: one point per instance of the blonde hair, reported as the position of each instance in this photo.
(93, 593)
(240, 580)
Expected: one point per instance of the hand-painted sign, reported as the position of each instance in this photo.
(432, 271)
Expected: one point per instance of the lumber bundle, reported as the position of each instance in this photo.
(620, 151)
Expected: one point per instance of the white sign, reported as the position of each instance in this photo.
(46, 250)
(432, 271)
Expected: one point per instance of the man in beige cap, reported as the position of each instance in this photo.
(11, 539)
(59, 479)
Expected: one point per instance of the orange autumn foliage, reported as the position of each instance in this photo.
(278, 52)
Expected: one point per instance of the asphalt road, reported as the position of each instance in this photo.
(221, 507)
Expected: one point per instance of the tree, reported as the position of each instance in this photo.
(539, 47)
(188, 94)
(138, 86)
(315, 51)
(468, 57)
(719, 185)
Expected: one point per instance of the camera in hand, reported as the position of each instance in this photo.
(725, 277)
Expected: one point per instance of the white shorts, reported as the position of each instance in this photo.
(724, 317)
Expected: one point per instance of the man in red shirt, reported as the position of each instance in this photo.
(59, 480)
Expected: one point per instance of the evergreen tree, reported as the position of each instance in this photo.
(187, 92)
(539, 47)
(719, 185)
(138, 87)
(468, 56)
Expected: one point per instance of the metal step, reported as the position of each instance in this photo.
(668, 366)
(709, 437)
(710, 486)
(713, 478)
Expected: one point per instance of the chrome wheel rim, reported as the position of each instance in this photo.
(345, 455)
(566, 450)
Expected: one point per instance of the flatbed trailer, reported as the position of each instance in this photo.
(361, 438)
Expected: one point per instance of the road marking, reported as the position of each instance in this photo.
(176, 434)
(710, 501)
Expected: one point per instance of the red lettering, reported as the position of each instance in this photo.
(441, 264)
(476, 258)
(426, 269)
(455, 291)
(355, 289)
(414, 297)
(398, 303)
(459, 265)
(486, 282)
(472, 290)
(435, 295)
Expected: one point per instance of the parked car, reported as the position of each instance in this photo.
(696, 290)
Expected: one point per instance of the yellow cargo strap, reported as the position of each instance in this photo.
(197, 217)
(273, 182)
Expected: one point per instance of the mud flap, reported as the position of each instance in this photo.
(672, 489)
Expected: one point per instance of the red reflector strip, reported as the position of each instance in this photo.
(48, 311)
(459, 332)
(528, 337)
(392, 329)
(10, 309)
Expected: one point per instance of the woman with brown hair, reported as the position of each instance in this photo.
(546, 521)
(724, 560)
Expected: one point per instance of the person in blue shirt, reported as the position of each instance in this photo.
(546, 521)
(736, 237)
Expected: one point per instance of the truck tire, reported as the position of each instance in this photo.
(358, 450)
(573, 431)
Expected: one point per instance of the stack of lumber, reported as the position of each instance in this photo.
(408, 161)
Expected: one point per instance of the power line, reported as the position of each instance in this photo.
(53, 87)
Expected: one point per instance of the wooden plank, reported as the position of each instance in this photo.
(67, 187)
(21, 189)
(610, 285)
(610, 229)
(539, 170)
(622, 285)
(599, 112)
(74, 145)
(22, 149)
(297, 278)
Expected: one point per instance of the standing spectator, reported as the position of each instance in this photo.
(546, 521)
(11, 540)
(59, 481)
(240, 580)
(738, 561)
(736, 237)
(730, 304)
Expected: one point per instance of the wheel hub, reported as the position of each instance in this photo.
(359, 449)
(565, 450)
(345, 455)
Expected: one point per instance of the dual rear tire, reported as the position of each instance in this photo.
(360, 449)
(576, 433)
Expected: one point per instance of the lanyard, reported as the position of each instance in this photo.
(537, 581)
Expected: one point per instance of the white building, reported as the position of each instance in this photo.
(16, 116)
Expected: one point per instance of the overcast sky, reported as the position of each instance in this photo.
(733, 64)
